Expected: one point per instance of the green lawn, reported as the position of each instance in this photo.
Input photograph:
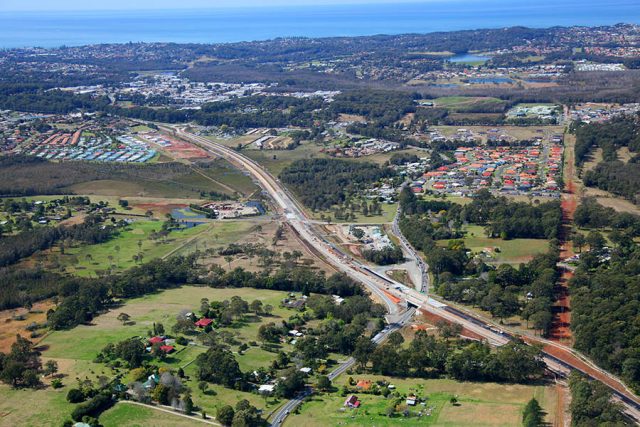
(481, 404)
(27, 407)
(130, 415)
(513, 251)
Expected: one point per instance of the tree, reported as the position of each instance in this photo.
(124, 318)
(218, 366)
(75, 396)
(131, 351)
(203, 386)
(188, 404)
(395, 339)
(268, 309)
(324, 383)
(225, 414)
(595, 241)
(363, 349)
(579, 241)
(238, 306)
(293, 382)
(50, 367)
(256, 306)
(532, 415)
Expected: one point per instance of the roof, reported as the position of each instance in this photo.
(352, 401)
(156, 340)
(167, 348)
(204, 322)
(364, 384)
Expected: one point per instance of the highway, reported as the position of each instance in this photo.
(391, 292)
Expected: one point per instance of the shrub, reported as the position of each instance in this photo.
(75, 396)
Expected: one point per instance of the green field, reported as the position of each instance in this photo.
(120, 250)
(480, 404)
(87, 260)
(283, 158)
(514, 251)
(465, 103)
(29, 407)
(126, 414)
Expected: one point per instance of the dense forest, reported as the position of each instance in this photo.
(604, 300)
(591, 214)
(323, 183)
(385, 256)
(591, 404)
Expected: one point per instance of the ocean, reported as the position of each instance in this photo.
(53, 29)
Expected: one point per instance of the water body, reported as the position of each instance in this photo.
(490, 80)
(53, 29)
(467, 57)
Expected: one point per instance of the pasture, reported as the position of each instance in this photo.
(479, 404)
(514, 251)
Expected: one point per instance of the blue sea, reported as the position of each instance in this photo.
(52, 29)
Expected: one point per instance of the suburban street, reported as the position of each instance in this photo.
(395, 294)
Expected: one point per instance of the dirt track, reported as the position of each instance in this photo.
(560, 329)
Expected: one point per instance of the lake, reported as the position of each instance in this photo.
(53, 29)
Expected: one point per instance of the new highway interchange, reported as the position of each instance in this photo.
(390, 292)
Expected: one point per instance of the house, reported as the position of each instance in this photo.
(156, 340)
(297, 304)
(352, 402)
(266, 388)
(411, 400)
(151, 381)
(167, 349)
(305, 370)
(363, 385)
(204, 322)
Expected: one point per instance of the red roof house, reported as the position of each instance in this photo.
(156, 340)
(204, 322)
(167, 348)
(352, 401)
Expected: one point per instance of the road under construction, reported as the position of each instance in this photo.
(560, 359)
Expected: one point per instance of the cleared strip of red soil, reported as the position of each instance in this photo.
(560, 327)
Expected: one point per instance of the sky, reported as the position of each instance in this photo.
(46, 5)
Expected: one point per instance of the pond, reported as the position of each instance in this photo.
(490, 80)
(188, 217)
(467, 57)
